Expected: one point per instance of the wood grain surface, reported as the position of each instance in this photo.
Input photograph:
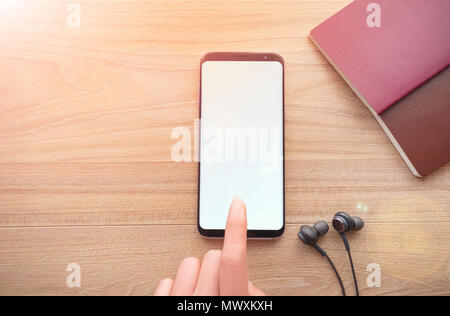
(86, 174)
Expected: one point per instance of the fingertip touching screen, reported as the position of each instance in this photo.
(241, 143)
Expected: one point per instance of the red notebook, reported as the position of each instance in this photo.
(386, 65)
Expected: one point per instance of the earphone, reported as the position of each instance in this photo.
(310, 236)
(342, 223)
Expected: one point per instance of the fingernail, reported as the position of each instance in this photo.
(238, 198)
(237, 204)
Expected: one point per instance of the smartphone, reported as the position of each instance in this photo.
(241, 145)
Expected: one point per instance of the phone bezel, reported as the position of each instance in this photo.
(238, 56)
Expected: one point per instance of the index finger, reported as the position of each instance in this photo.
(233, 272)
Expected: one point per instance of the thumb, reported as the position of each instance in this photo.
(254, 291)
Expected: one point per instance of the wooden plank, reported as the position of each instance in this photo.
(131, 260)
(166, 193)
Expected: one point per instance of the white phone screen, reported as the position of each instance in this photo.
(241, 143)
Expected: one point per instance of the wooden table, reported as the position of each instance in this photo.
(86, 174)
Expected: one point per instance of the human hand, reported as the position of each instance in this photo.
(223, 272)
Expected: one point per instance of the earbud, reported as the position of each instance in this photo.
(342, 223)
(310, 235)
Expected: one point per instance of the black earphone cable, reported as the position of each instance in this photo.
(347, 247)
(323, 253)
(353, 272)
(337, 274)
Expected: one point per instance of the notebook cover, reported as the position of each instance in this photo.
(384, 64)
(420, 124)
